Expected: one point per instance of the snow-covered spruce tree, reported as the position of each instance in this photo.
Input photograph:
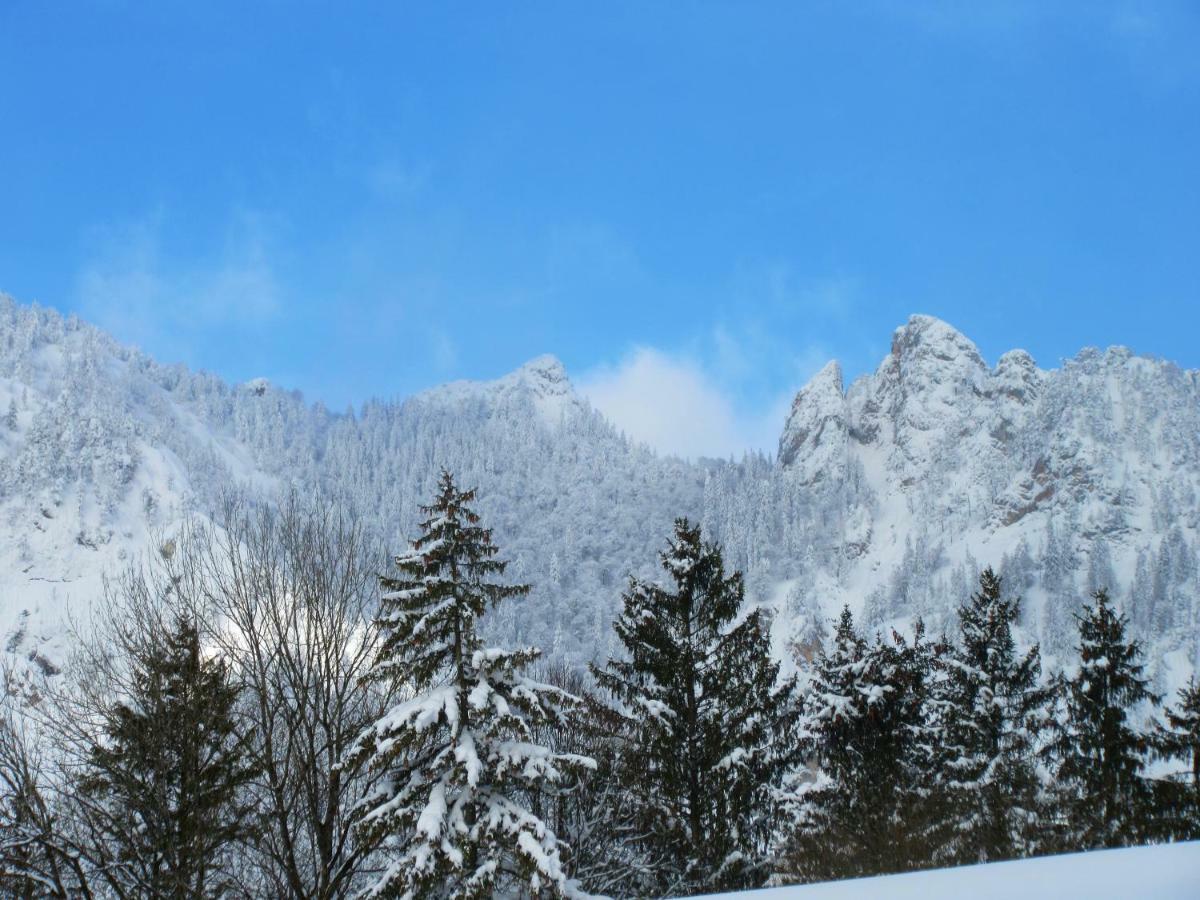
(1099, 758)
(919, 707)
(162, 789)
(1179, 739)
(993, 713)
(867, 732)
(707, 720)
(456, 760)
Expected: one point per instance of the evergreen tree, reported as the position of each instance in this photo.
(1179, 739)
(993, 713)
(593, 815)
(866, 728)
(1059, 564)
(1100, 758)
(458, 760)
(164, 785)
(917, 708)
(708, 722)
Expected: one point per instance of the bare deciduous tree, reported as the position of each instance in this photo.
(36, 859)
(291, 589)
(284, 593)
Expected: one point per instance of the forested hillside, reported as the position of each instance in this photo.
(889, 496)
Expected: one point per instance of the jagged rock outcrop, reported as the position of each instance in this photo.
(1068, 471)
(814, 437)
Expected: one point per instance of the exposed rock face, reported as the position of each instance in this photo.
(924, 397)
(814, 438)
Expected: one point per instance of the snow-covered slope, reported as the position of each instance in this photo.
(108, 449)
(889, 495)
(1165, 872)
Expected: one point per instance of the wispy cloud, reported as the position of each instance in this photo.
(727, 388)
(133, 288)
(780, 288)
(443, 351)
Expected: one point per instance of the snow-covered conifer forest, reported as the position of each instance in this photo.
(477, 643)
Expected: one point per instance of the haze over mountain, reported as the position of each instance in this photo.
(888, 495)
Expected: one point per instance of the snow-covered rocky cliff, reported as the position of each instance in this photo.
(936, 464)
(889, 495)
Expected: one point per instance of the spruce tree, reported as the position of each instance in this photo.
(1179, 739)
(707, 722)
(993, 713)
(867, 731)
(1100, 758)
(164, 786)
(920, 711)
(458, 758)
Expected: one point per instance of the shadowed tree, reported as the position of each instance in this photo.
(164, 784)
(707, 722)
(1099, 757)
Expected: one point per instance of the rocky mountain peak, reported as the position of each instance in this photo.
(546, 374)
(1016, 376)
(927, 385)
(816, 426)
(926, 342)
(542, 381)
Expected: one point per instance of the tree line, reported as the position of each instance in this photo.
(256, 712)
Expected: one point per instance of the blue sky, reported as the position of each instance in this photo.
(693, 205)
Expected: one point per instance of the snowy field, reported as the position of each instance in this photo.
(1167, 872)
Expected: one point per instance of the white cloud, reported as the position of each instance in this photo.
(778, 288)
(673, 404)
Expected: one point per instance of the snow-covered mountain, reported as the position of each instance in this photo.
(103, 450)
(889, 495)
(1065, 480)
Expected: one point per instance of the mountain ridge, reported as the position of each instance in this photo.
(885, 494)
